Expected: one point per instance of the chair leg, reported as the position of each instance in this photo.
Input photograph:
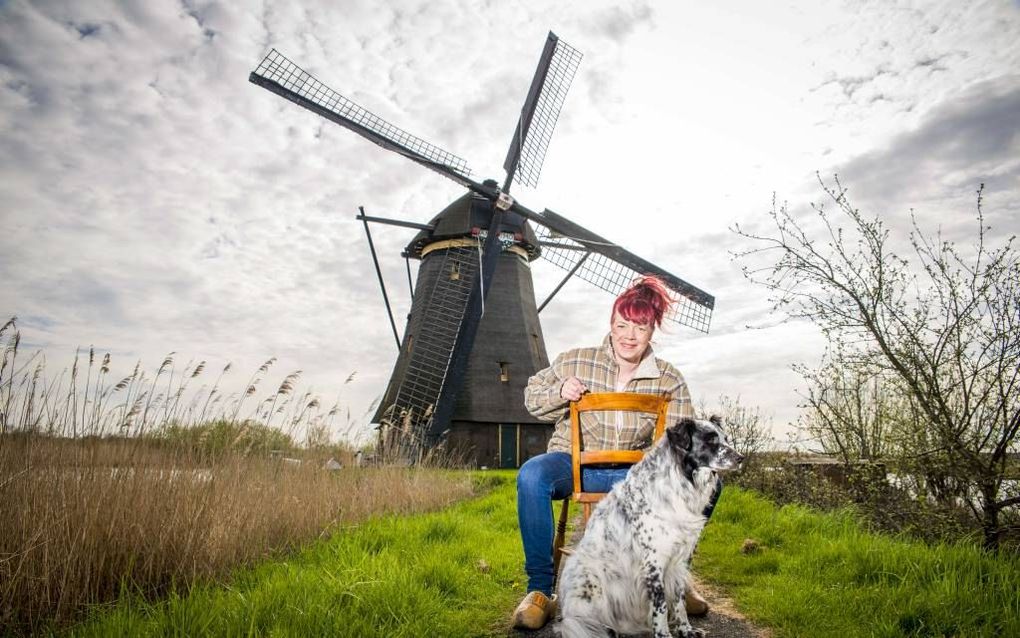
(560, 538)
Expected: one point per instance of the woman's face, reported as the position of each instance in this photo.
(630, 340)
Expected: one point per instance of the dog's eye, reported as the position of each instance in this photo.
(712, 438)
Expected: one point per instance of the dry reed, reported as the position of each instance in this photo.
(96, 500)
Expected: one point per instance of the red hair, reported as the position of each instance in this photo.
(645, 302)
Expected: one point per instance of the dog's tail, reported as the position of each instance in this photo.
(573, 627)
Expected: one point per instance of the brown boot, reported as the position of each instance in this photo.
(695, 604)
(534, 611)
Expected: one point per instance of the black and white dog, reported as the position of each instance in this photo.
(627, 574)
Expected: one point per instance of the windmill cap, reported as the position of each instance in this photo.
(464, 217)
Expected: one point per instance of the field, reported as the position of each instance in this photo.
(253, 546)
(457, 572)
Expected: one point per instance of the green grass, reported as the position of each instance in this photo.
(451, 573)
(822, 575)
(813, 575)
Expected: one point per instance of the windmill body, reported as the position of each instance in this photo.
(489, 425)
(473, 337)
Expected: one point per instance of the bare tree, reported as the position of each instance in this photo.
(852, 411)
(748, 430)
(946, 330)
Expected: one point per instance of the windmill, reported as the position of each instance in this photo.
(473, 336)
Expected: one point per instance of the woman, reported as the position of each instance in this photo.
(623, 363)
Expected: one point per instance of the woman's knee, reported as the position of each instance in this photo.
(532, 476)
(541, 474)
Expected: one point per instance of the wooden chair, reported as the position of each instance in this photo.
(626, 401)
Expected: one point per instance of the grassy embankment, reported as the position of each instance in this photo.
(458, 573)
(822, 575)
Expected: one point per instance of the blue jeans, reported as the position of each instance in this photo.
(541, 480)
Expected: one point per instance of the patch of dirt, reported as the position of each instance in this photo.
(722, 620)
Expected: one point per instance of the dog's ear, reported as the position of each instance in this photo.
(716, 420)
(681, 439)
(681, 434)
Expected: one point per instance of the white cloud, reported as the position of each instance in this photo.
(971, 138)
(154, 200)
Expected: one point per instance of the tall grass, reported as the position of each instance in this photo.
(139, 485)
(86, 401)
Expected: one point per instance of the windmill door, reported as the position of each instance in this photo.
(507, 445)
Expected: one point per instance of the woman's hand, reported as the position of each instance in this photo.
(572, 389)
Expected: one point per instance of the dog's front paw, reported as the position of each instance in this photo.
(686, 631)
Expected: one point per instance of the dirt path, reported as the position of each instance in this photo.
(722, 621)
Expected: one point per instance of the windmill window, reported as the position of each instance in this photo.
(454, 272)
(504, 371)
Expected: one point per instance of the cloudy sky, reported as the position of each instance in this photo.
(153, 200)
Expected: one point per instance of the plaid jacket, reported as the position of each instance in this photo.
(597, 369)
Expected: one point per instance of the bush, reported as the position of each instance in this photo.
(864, 487)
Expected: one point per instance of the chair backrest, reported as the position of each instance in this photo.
(626, 401)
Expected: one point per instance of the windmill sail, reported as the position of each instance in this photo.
(610, 267)
(555, 73)
(281, 76)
